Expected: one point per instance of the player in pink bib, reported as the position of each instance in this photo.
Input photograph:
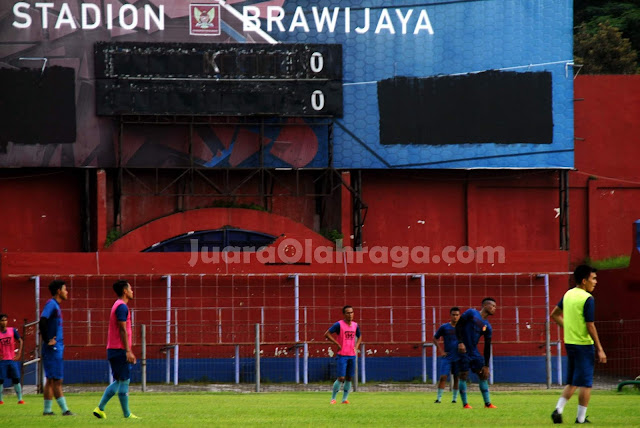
(348, 340)
(9, 368)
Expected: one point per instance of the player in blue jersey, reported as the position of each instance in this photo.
(472, 325)
(53, 348)
(449, 354)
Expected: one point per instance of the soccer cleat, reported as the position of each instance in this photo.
(586, 421)
(68, 413)
(132, 416)
(1, 402)
(556, 417)
(454, 401)
(100, 414)
(467, 406)
(21, 402)
(438, 401)
(48, 414)
(489, 406)
(333, 401)
(346, 402)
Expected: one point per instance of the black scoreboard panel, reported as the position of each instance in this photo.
(218, 79)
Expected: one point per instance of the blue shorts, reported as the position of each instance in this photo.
(581, 363)
(52, 361)
(346, 366)
(9, 370)
(470, 360)
(120, 367)
(448, 365)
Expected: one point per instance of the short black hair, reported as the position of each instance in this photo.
(119, 286)
(455, 308)
(344, 308)
(488, 299)
(3, 316)
(56, 285)
(583, 272)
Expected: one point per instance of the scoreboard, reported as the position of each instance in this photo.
(301, 80)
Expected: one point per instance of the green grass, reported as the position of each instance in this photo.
(618, 262)
(312, 409)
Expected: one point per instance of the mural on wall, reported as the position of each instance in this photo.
(388, 49)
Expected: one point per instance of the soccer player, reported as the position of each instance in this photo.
(53, 348)
(349, 338)
(472, 325)
(449, 354)
(575, 313)
(119, 351)
(9, 363)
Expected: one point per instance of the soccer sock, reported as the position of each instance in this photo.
(1, 388)
(123, 395)
(62, 403)
(455, 395)
(561, 403)
(484, 388)
(440, 391)
(347, 388)
(18, 389)
(336, 388)
(47, 406)
(582, 413)
(462, 385)
(109, 392)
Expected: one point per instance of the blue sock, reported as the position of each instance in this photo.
(347, 388)
(440, 391)
(336, 388)
(455, 395)
(462, 385)
(63, 404)
(47, 406)
(109, 392)
(123, 395)
(484, 388)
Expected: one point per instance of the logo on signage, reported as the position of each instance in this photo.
(204, 19)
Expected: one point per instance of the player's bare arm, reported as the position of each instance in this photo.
(331, 339)
(19, 353)
(593, 332)
(556, 316)
(122, 328)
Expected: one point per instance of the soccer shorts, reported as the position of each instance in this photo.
(9, 370)
(470, 360)
(448, 365)
(346, 366)
(52, 361)
(581, 363)
(120, 367)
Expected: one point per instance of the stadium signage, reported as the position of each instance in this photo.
(90, 16)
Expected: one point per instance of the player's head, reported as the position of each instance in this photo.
(4, 319)
(58, 288)
(347, 310)
(455, 314)
(489, 305)
(122, 288)
(585, 276)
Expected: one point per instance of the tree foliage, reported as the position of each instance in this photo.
(604, 51)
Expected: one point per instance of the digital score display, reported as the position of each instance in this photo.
(303, 80)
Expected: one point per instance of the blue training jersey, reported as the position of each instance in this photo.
(474, 326)
(448, 332)
(335, 329)
(53, 314)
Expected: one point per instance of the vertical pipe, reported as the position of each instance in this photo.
(391, 323)
(237, 363)
(517, 325)
(491, 367)
(434, 352)
(176, 362)
(547, 330)
(219, 325)
(168, 331)
(364, 367)
(305, 364)
(144, 357)
(39, 366)
(423, 336)
(296, 289)
(257, 357)
(88, 326)
(559, 369)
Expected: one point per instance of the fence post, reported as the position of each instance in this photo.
(39, 366)
(168, 330)
(547, 330)
(364, 367)
(143, 361)
(257, 357)
(237, 364)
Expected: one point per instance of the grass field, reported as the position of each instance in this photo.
(367, 409)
